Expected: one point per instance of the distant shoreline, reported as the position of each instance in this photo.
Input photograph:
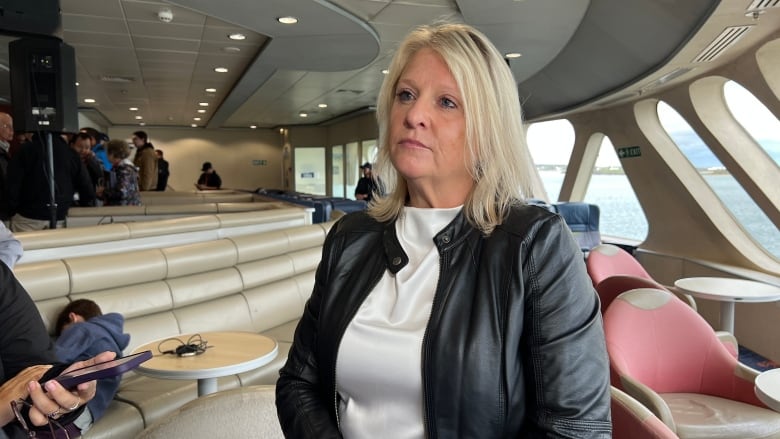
(615, 170)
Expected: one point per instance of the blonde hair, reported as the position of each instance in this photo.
(118, 149)
(495, 139)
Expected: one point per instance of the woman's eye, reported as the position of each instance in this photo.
(448, 103)
(404, 96)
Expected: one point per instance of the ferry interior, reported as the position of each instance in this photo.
(654, 126)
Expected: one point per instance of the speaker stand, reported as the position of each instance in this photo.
(52, 195)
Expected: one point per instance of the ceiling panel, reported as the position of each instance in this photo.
(168, 44)
(165, 30)
(95, 8)
(145, 56)
(100, 25)
(93, 39)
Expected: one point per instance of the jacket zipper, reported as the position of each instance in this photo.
(427, 427)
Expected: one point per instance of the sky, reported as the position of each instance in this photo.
(551, 143)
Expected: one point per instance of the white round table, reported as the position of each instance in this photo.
(228, 353)
(768, 388)
(727, 291)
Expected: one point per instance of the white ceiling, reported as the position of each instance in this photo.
(575, 52)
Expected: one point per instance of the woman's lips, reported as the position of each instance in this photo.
(411, 143)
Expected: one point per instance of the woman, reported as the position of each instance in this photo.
(122, 188)
(449, 309)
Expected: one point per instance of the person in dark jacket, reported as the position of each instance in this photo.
(29, 196)
(6, 136)
(450, 308)
(81, 143)
(163, 171)
(368, 185)
(209, 179)
(26, 354)
(84, 331)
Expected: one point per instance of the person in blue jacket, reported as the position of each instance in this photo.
(84, 331)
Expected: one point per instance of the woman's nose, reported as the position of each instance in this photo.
(417, 115)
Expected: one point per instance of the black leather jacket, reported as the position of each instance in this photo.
(514, 346)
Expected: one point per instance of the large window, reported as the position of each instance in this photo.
(337, 170)
(609, 188)
(370, 151)
(757, 120)
(310, 170)
(725, 186)
(352, 168)
(550, 144)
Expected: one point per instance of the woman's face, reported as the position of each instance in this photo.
(428, 128)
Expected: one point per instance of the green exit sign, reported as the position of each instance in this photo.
(629, 151)
(259, 162)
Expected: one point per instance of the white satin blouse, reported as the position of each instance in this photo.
(379, 369)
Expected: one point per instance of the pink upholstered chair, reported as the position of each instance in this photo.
(611, 287)
(632, 420)
(668, 357)
(610, 261)
(605, 260)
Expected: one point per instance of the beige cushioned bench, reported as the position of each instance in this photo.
(90, 216)
(43, 245)
(149, 198)
(256, 282)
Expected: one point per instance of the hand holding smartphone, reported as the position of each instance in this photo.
(106, 369)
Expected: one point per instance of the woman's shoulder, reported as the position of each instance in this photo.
(524, 218)
(359, 221)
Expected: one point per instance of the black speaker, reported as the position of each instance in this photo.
(43, 85)
(28, 17)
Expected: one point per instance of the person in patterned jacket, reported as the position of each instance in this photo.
(122, 187)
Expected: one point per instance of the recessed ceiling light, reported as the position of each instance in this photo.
(194, 125)
(303, 114)
(195, 118)
(133, 108)
(287, 20)
(323, 105)
(237, 36)
(221, 69)
(77, 84)
(231, 49)
(89, 100)
(203, 104)
(143, 124)
(253, 126)
(511, 55)
(201, 111)
(211, 90)
(385, 71)
(139, 117)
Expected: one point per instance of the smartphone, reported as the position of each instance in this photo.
(106, 369)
